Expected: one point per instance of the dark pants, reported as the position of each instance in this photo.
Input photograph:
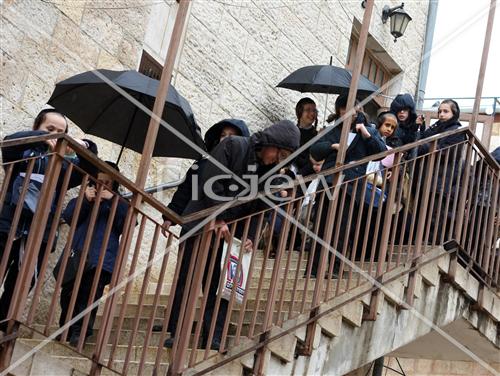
(82, 299)
(212, 291)
(12, 272)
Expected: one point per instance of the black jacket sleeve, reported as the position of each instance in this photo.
(375, 143)
(87, 166)
(15, 153)
(184, 192)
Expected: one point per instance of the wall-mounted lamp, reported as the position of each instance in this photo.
(399, 19)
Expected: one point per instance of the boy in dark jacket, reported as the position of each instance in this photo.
(48, 121)
(409, 124)
(244, 156)
(93, 255)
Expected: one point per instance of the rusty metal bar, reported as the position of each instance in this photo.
(83, 260)
(128, 288)
(420, 227)
(65, 254)
(50, 244)
(249, 281)
(482, 67)
(15, 220)
(356, 72)
(156, 299)
(199, 323)
(215, 313)
(161, 95)
(179, 351)
(140, 304)
(98, 270)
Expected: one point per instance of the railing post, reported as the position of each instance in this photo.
(464, 191)
(384, 240)
(199, 258)
(32, 249)
(426, 191)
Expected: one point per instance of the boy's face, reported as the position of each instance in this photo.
(105, 179)
(316, 166)
(403, 114)
(388, 127)
(271, 155)
(53, 123)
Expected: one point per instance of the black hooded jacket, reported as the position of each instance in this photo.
(406, 132)
(239, 155)
(306, 134)
(358, 149)
(445, 183)
(183, 195)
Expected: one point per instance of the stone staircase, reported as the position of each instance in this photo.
(340, 332)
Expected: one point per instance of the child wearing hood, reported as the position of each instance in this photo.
(409, 124)
(243, 156)
(214, 135)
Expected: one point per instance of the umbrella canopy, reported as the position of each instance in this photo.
(326, 79)
(98, 109)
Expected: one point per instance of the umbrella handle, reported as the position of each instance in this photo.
(128, 130)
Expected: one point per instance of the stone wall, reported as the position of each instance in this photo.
(236, 52)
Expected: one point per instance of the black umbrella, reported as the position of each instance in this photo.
(326, 79)
(98, 109)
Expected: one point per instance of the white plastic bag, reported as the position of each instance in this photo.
(230, 270)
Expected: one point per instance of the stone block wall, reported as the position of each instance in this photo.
(236, 52)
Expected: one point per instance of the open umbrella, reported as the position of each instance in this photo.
(327, 79)
(98, 109)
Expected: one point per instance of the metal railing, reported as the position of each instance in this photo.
(356, 232)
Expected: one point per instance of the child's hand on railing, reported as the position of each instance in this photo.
(165, 227)
(223, 228)
(52, 144)
(248, 246)
(335, 146)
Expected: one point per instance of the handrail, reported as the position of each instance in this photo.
(239, 201)
(160, 187)
(102, 166)
(182, 219)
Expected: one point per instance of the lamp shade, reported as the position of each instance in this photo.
(399, 22)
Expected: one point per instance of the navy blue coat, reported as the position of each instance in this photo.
(40, 149)
(359, 149)
(99, 229)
